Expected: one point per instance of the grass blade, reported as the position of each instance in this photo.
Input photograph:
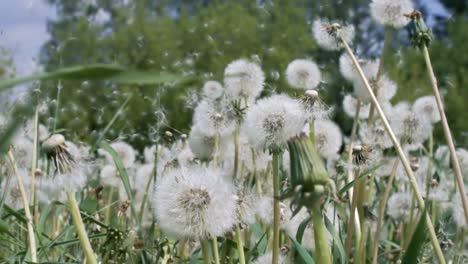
(123, 175)
(417, 241)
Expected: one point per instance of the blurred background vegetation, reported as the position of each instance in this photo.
(199, 38)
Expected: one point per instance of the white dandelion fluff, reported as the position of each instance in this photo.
(203, 143)
(303, 74)
(274, 120)
(328, 138)
(213, 90)
(327, 34)
(375, 134)
(11, 191)
(350, 104)
(243, 79)
(391, 12)
(428, 106)
(458, 213)
(267, 258)
(125, 152)
(195, 203)
(399, 206)
(412, 128)
(216, 122)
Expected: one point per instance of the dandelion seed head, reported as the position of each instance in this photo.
(202, 143)
(303, 74)
(314, 107)
(391, 12)
(399, 206)
(327, 37)
(273, 120)
(428, 106)
(350, 104)
(207, 116)
(125, 152)
(458, 213)
(328, 138)
(412, 128)
(213, 90)
(243, 79)
(375, 134)
(194, 203)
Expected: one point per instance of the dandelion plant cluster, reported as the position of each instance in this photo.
(261, 177)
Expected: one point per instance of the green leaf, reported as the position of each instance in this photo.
(4, 227)
(302, 252)
(123, 176)
(88, 72)
(113, 73)
(301, 229)
(417, 241)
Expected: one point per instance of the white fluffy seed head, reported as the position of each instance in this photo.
(350, 104)
(370, 69)
(124, 150)
(327, 39)
(427, 105)
(210, 117)
(274, 120)
(303, 74)
(328, 138)
(202, 143)
(375, 134)
(391, 12)
(458, 213)
(399, 206)
(347, 68)
(243, 79)
(412, 128)
(213, 90)
(194, 203)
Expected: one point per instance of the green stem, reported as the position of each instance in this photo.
(236, 151)
(276, 209)
(59, 89)
(240, 246)
(312, 131)
(215, 250)
(322, 249)
(205, 247)
(145, 196)
(383, 204)
(80, 229)
(448, 135)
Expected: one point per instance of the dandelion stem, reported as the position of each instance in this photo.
(353, 221)
(80, 229)
(276, 212)
(205, 247)
(215, 250)
(401, 154)
(383, 204)
(447, 133)
(351, 145)
(32, 238)
(240, 246)
(322, 250)
(145, 196)
(34, 156)
(236, 151)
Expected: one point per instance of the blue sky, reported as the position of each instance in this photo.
(23, 29)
